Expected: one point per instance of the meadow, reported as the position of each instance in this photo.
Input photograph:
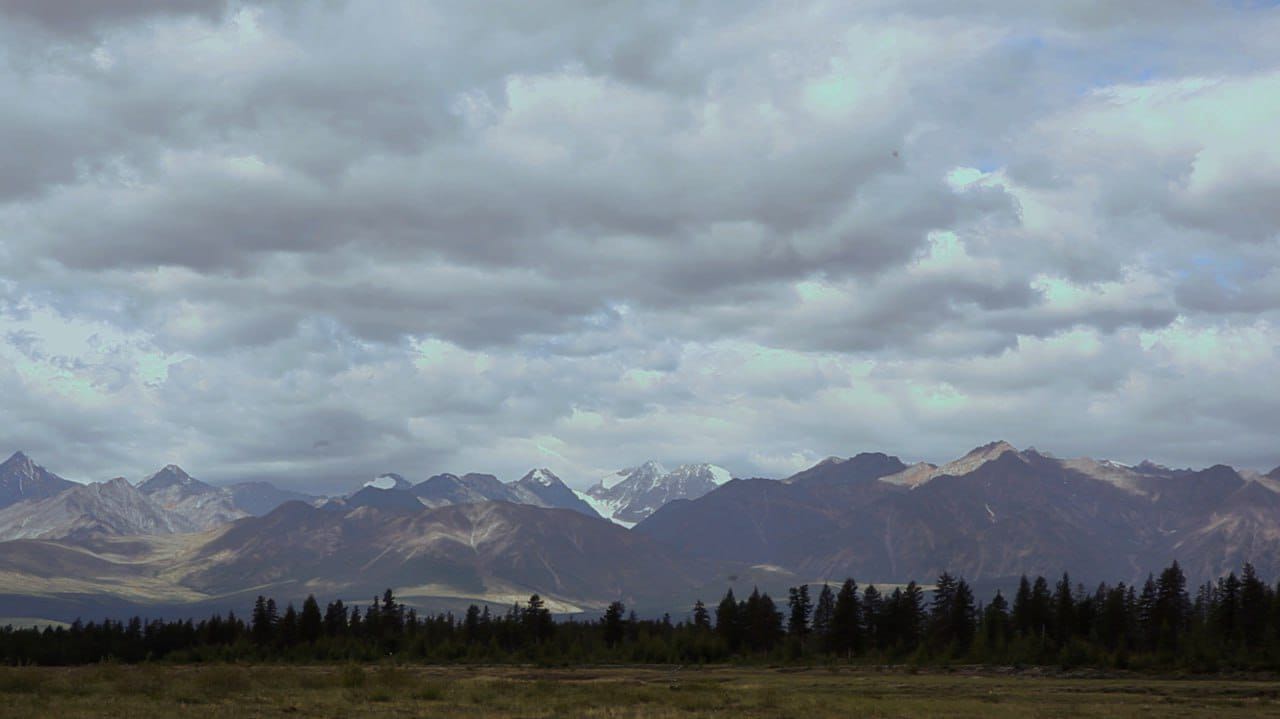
(193, 691)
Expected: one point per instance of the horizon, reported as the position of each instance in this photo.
(583, 484)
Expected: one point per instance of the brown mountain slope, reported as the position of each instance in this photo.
(494, 549)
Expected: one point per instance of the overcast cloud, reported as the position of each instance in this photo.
(314, 242)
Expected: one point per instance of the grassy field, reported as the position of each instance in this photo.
(271, 691)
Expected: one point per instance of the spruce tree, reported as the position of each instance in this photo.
(287, 634)
(537, 620)
(872, 629)
(962, 617)
(800, 610)
(613, 624)
(264, 620)
(846, 620)
(995, 621)
(728, 623)
(1022, 607)
(701, 619)
(822, 613)
(1253, 608)
(310, 623)
(1064, 610)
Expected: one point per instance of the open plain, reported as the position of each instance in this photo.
(632, 692)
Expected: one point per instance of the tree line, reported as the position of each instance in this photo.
(1231, 623)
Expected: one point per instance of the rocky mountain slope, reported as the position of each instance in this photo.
(495, 550)
(23, 480)
(537, 488)
(630, 495)
(89, 511)
(991, 515)
(202, 505)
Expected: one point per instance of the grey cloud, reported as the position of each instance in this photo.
(80, 16)
(332, 239)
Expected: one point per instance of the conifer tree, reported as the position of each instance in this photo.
(728, 623)
(822, 613)
(872, 618)
(1064, 610)
(846, 620)
(287, 633)
(995, 621)
(310, 623)
(701, 619)
(1253, 608)
(800, 610)
(614, 624)
(264, 620)
(335, 618)
(962, 617)
(537, 620)
(1022, 607)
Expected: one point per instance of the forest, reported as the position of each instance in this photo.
(1233, 623)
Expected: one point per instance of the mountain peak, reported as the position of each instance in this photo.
(542, 476)
(991, 450)
(388, 480)
(715, 473)
(170, 477)
(649, 470)
(22, 479)
(20, 462)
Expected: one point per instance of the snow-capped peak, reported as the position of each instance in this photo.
(544, 477)
(650, 470)
(390, 480)
(630, 495)
(719, 474)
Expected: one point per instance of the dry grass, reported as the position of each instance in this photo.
(618, 693)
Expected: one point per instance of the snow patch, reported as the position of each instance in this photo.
(544, 477)
(388, 481)
(719, 475)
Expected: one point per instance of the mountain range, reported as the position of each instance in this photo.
(654, 538)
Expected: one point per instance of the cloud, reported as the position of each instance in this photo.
(315, 242)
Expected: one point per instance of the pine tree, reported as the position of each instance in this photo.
(995, 621)
(471, 624)
(1064, 610)
(1172, 607)
(941, 633)
(264, 620)
(801, 608)
(962, 617)
(1253, 608)
(911, 614)
(873, 619)
(537, 620)
(701, 619)
(846, 620)
(310, 624)
(1022, 608)
(287, 634)
(335, 618)
(614, 626)
(822, 613)
(728, 623)
(391, 614)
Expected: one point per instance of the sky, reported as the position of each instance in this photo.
(313, 242)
